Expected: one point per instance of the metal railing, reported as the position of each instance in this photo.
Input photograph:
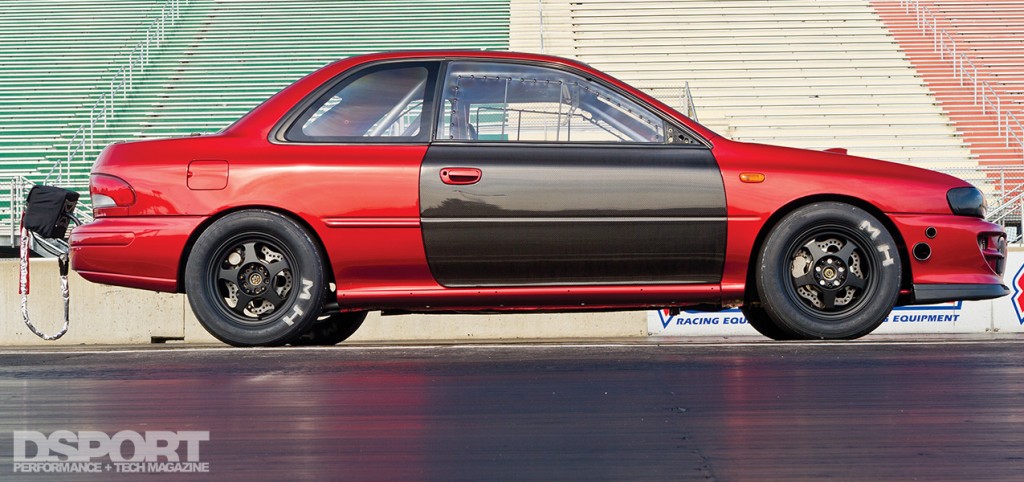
(1003, 187)
(13, 194)
(997, 182)
(83, 141)
(13, 189)
(691, 107)
(679, 98)
(1008, 125)
(540, 19)
(1008, 199)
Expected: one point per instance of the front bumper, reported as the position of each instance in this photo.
(965, 258)
(136, 252)
(929, 294)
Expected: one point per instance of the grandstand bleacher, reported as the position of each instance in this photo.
(989, 36)
(806, 73)
(969, 53)
(54, 57)
(218, 60)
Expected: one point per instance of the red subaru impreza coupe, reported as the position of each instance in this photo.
(490, 182)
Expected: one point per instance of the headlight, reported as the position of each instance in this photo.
(967, 201)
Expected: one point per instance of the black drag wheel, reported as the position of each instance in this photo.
(331, 329)
(828, 270)
(764, 324)
(255, 278)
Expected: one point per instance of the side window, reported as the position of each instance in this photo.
(380, 104)
(511, 102)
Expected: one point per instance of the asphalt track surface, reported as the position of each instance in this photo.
(890, 409)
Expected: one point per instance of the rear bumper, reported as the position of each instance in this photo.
(136, 252)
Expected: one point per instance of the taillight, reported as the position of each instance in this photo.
(111, 196)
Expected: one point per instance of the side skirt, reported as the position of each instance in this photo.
(553, 298)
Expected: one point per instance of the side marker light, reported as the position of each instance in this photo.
(751, 177)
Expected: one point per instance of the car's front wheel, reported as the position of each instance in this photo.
(828, 270)
(758, 319)
(331, 329)
(255, 278)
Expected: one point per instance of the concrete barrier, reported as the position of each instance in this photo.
(102, 314)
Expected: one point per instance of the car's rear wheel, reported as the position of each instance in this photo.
(331, 329)
(255, 278)
(828, 270)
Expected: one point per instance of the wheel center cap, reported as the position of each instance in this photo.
(254, 279)
(830, 272)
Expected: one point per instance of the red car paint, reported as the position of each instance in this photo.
(361, 201)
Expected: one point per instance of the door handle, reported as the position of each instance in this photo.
(460, 176)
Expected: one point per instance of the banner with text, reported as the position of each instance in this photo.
(1004, 314)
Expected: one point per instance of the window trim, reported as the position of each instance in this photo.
(440, 63)
(281, 132)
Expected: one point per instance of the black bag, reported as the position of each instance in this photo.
(49, 210)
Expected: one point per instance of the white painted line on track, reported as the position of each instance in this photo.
(503, 346)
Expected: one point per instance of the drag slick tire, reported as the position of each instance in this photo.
(331, 329)
(255, 278)
(760, 321)
(828, 270)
